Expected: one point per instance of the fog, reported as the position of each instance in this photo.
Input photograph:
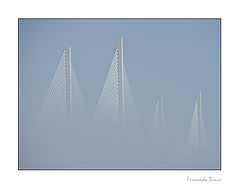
(87, 108)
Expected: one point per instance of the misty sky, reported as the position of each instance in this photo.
(162, 57)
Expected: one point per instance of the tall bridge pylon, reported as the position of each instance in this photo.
(116, 105)
(64, 99)
(157, 129)
(197, 138)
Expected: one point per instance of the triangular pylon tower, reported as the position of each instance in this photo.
(116, 105)
(64, 99)
(197, 138)
(157, 129)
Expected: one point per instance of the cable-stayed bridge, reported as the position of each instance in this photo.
(157, 127)
(197, 138)
(116, 105)
(64, 102)
(64, 99)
